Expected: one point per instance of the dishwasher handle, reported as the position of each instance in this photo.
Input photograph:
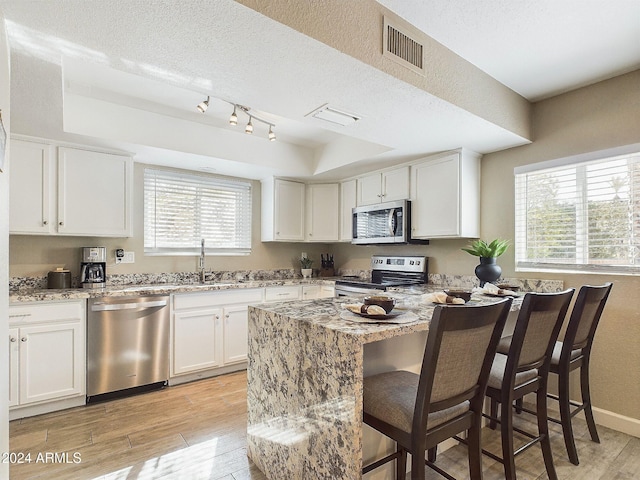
(103, 307)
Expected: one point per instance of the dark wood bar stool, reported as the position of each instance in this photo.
(446, 398)
(525, 369)
(574, 352)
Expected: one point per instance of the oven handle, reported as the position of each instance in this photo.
(391, 222)
(103, 307)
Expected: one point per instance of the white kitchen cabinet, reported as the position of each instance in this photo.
(311, 292)
(209, 330)
(32, 188)
(283, 208)
(79, 192)
(348, 201)
(322, 204)
(385, 186)
(94, 193)
(47, 354)
(282, 293)
(445, 196)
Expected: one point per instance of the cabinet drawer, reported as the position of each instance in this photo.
(46, 312)
(281, 294)
(227, 297)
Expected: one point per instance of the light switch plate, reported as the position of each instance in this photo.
(127, 257)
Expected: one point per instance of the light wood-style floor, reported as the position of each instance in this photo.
(198, 431)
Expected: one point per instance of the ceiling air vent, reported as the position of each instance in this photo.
(401, 48)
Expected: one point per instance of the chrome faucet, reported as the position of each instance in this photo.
(201, 262)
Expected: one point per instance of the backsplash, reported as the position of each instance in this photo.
(17, 284)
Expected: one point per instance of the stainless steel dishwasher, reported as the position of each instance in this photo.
(127, 344)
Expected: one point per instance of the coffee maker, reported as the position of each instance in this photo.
(93, 269)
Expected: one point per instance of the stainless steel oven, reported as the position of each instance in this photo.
(386, 271)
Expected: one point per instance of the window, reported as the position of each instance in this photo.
(581, 216)
(182, 209)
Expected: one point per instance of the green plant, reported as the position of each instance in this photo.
(306, 262)
(480, 248)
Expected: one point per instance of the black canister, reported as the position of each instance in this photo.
(60, 278)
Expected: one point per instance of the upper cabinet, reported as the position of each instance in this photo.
(322, 222)
(383, 186)
(348, 199)
(81, 192)
(445, 196)
(283, 206)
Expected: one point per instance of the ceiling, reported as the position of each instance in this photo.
(127, 74)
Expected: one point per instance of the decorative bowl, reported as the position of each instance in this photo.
(382, 300)
(463, 294)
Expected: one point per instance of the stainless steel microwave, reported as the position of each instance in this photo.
(383, 223)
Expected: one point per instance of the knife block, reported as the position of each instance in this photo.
(327, 272)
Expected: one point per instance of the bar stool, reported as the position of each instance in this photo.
(525, 369)
(446, 398)
(575, 352)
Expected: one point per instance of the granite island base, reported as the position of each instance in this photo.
(305, 381)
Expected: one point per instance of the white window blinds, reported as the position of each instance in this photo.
(181, 209)
(580, 217)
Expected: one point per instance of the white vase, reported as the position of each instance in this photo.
(306, 272)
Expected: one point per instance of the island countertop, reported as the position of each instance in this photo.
(305, 382)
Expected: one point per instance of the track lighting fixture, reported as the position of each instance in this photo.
(233, 119)
(202, 106)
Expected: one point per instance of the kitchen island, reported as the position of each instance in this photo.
(305, 385)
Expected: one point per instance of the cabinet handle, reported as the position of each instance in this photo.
(12, 339)
(61, 223)
(20, 315)
(23, 339)
(45, 223)
(226, 316)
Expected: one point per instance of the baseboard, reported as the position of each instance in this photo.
(615, 421)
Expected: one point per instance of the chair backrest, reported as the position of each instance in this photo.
(585, 316)
(536, 331)
(461, 344)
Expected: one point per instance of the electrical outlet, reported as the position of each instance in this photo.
(125, 257)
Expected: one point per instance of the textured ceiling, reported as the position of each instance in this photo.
(128, 74)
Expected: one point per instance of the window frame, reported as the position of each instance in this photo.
(208, 181)
(523, 264)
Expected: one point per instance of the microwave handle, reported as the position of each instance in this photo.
(392, 222)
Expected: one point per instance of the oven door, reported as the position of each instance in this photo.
(381, 223)
(343, 290)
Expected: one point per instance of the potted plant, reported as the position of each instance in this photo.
(305, 264)
(488, 270)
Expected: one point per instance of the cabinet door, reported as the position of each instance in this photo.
(289, 210)
(94, 193)
(236, 334)
(51, 362)
(14, 356)
(197, 340)
(395, 184)
(369, 189)
(435, 206)
(348, 197)
(31, 182)
(310, 292)
(322, 212)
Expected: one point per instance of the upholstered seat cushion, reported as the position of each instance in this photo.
(497, 373)
(557, 350)
(391, 397)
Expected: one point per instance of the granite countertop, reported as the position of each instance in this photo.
(52, 295)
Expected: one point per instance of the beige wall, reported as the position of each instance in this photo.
(34, 255)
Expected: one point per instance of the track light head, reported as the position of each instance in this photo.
(272, 135)
(202, 106)
(249, 127)
(233, 120)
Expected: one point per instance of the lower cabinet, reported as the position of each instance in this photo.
(311, 292)
(209, 330)
(47, 355)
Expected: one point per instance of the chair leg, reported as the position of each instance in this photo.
(494, 414)
(586, 400)
(432, 453)
(474, 448)
(565, 416)
(401, 464)
(506, 434)
(543, 430)
(417, 465)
